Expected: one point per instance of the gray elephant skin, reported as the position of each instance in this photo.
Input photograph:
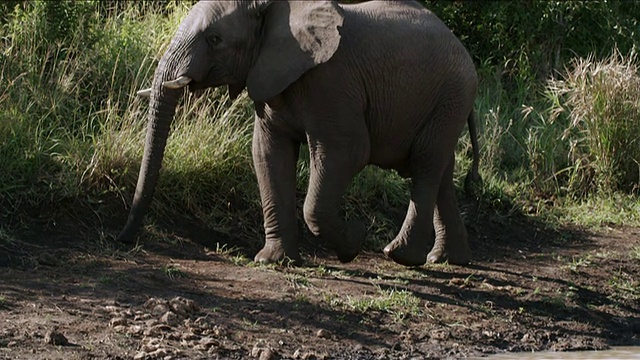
(383, 83)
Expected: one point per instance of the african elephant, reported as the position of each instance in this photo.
(383, 83)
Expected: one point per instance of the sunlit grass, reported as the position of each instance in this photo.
(399, 303)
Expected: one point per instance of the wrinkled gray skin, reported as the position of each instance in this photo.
(383, 83)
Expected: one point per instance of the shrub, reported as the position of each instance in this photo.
(601, 100)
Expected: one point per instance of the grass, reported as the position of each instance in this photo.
(624, 286)
(173, 271)
(72, 130)
(577, 262)
(399, 303)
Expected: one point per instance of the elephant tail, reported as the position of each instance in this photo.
(473, 180)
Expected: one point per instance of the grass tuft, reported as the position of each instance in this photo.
(602, 101)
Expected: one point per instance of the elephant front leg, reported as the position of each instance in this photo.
(451, 235)
(274, 158)
(332, 169)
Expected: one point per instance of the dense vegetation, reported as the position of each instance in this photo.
(559, 112)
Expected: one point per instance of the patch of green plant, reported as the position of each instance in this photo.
(578, 262)
(232, 253)
(624, 286)
(634, 254)
(297, 281)
(173, 271)
(599, 210)
(399, 303)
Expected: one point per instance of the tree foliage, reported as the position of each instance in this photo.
(533, 39)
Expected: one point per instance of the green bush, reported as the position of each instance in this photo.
(601, 99)
(530, 40)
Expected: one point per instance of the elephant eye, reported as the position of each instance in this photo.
(214, 40)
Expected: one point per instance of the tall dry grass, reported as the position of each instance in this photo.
(601, 99)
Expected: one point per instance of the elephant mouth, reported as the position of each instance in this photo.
(195, 86)
(214, 78)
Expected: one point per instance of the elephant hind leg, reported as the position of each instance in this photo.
(410, 246)
(451, 236)
(431, 163)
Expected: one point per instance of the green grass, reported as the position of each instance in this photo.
(624, 286)
(72, 130)
(399, 303)
(173, 271)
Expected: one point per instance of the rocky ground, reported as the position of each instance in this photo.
(528, 289)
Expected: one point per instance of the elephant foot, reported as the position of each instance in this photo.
(405, 253)
(274, 252)
(457, 255)
(350, 248)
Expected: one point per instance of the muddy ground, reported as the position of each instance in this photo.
(528, 289)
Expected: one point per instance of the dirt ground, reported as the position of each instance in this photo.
(528, 289)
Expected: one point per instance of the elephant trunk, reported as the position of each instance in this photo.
(161, 112)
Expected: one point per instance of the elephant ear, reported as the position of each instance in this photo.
(297, 36)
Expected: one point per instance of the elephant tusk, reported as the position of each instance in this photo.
(178, 83)
(145, 93)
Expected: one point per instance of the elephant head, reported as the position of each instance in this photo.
(262, 45)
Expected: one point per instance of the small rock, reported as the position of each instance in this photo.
(186, 306)
(151, 345)
(180, 309)
(267, 354)
(135, 330)
(156, 330)
(119, 321)
(54, 337)
(151, 323)
(297, 354)
(151, 303)
(322, 333)
(47, 259)
(159, 309)
(203, 322)
(301, 355)
(159, 353)
(120, 329)
(141, 317)
(170, 318)
(140, 355)
(187, 336)
(111, 309)
(255, 352)
(208, 342)
(12, 343)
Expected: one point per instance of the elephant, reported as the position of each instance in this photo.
(382, 83)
